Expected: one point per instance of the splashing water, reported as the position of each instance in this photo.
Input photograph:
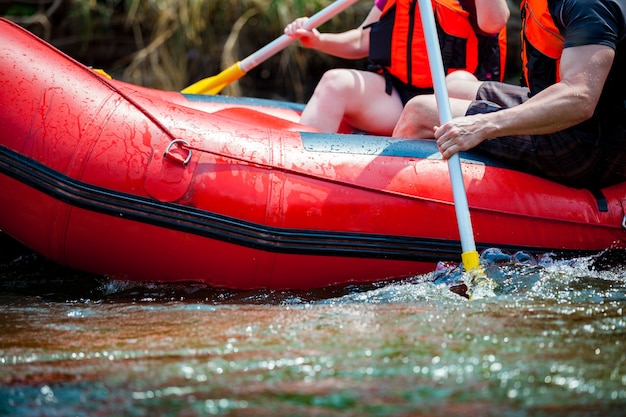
(549, 341)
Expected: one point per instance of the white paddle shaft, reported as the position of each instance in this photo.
(283, 41)
(445, 115)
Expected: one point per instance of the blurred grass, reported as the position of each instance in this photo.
(169, 44)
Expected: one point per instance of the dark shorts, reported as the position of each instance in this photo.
(407, 92)
(562, 156)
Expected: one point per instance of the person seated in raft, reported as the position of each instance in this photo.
(567, 122)
(372, 101)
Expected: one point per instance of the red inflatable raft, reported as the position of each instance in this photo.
(141, 184)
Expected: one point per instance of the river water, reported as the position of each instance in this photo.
(550, 341)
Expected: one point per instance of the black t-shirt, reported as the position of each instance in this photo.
(599, 22)
(585, 22)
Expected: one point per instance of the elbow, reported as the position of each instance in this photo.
(587, 111)
(586, 101)
(495, 24)
(582, 109)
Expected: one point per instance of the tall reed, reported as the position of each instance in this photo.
(169, 44)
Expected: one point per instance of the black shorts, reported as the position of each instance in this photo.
(407, 92)
(562, 156)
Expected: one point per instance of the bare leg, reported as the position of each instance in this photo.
(420, 116)
(358, 97)
(462, 84)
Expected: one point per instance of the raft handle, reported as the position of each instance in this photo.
(178, 141)
(624, 222)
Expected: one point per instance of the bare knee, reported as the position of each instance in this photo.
(460, 76)
(326, 108)
(333, 82)
(462, 84)
(418, 118)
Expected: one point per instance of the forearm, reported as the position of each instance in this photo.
(349, 44)
(552, 110)
(571, 101)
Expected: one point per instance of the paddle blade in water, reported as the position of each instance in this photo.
(479, 285)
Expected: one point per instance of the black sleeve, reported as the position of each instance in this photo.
(592, 22)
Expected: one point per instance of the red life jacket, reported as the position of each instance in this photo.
(542, 45)
(398, 46)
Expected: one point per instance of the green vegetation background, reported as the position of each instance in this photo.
(170, 44)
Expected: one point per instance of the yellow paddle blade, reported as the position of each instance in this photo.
(102, 72)
(215, 84)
